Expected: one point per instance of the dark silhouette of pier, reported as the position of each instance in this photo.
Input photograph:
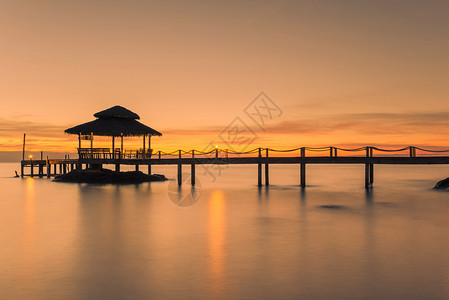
(368, 156)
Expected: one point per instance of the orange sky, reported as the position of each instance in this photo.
(342, 72)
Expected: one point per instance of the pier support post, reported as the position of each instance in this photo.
(149, 168)
(21, 169)
(117, 167)
(41, 170)
(179, 169)
(32, 169)
(137, 167)
(54, 169)
(412, 151)
(259, 169)
(48, 169)
(192, 169)
(303, 168)
(267, 174)
(369, 168)
(331, 151)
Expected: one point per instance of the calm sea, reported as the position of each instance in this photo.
(227, 239)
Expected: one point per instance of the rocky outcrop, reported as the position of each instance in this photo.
(107, 176)
(442, 185)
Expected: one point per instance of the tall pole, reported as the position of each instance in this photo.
(23, 148)
(149, 144)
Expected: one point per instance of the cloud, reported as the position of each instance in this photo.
(367, 123)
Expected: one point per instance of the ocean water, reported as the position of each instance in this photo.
(226, 238)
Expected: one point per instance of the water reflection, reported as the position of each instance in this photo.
(29, 229)
(217, 231)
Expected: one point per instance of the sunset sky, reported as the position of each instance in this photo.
(346, 73)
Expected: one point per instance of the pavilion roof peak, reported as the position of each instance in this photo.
(117, 112)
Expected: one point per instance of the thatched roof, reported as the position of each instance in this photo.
(117, 112)
(115, 121)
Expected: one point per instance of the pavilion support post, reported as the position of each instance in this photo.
(192, 169)
(79, 143)
(113, 147)
(149, 146)
(143, 152)
(60, 168)
(121, 146)
(267, 174)
(180, 169)
(259, 169)
(91, 144)
(54, 169)
(303, 168)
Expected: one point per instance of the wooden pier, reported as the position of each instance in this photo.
(258, 156)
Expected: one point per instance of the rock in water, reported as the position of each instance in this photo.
(442, 185)
(107, 176)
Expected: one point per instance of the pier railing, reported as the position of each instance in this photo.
(302, 156)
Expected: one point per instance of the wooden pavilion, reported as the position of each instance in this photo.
(116, 121)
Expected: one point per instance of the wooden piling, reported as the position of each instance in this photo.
(137, 167)
(32, 169)
(47, 164)
(267, 175)
(23, 148)
(149, 168)
(369, 170)
(117, 167)
(303, 168)
(179, 169)
(331, 150)
(259, 169)
(192, 169)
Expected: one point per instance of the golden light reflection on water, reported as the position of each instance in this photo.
(217, 232)
(29, 228)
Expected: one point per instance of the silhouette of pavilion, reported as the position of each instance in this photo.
(116, 121)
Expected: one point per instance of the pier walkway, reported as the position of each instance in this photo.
(261, 157)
